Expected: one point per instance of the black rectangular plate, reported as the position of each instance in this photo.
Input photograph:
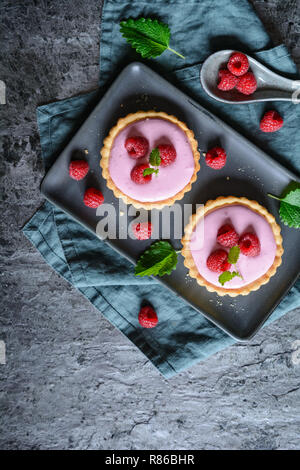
(249, 172)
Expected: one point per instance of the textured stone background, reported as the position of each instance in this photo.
(72, 381)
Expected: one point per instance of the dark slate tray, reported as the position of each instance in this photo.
(252, 174)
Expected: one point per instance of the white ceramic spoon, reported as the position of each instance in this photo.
(270, 85)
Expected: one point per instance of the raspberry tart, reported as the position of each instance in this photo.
(150, 159)
(232, 224)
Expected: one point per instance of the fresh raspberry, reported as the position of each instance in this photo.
(167, 154)
(137, 147)
(227, 80)
(271, 122)
(238, 64)
(148, 317)
(215, 158)
(137, 174)
(249, 244)
(247, 84)
(78, 169)
(142, 230)
(217, 261)
(227, 236)
(93, 198)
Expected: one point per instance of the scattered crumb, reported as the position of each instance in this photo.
(142, 98)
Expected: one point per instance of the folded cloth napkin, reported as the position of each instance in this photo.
(199, 27)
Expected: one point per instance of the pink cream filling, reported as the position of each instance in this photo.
(243, 220)
(171, 179)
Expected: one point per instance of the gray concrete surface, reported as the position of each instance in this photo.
(71, 380)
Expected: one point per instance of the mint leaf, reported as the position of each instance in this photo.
(232, 258)
(290, 214)
(293, 197)
(154, 158)
(233, 254)
(289, 209)
(148, 37)
(226, 276)
(149, 171)
(159, 259)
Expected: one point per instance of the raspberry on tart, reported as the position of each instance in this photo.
(217, 261)
(167, 154)
(137, 146)
(137, 174)
(249, 244)
(179, 161)
(227, 236)
(253, 271)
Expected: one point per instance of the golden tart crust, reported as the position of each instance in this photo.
(219, 203)
(107, 146)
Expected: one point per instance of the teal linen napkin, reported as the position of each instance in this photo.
(183, 336)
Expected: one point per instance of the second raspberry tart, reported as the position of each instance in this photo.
(260, 250)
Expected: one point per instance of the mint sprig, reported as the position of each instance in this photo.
(154, 158)
(148, 37)
(234, 254)
(158, 260)
(150, 171)
(226, 276)
(232, 258)
(289, 210)
(155, 161)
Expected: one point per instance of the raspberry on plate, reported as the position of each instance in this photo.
(217, 261)
(271, 122)
(238, 64)
(227, 236)
(148, 317)
(249, 244)
(78, 169)
(137, 174)
(137, 146)
(227, 80)
(215, 158)
(247, 84)
(142, 230)
(167, 154)
(93, 198)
